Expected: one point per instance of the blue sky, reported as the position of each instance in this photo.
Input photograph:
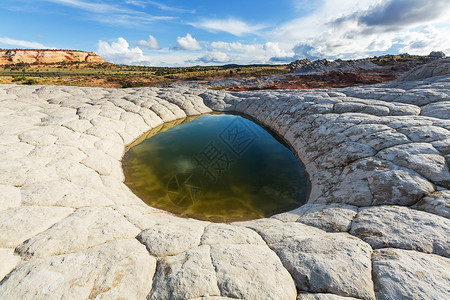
(213, 32)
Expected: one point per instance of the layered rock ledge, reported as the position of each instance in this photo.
(39, 56)
(376, 224)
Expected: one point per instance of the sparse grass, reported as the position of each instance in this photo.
(110, 75)
(123, 76)
(219, 88)
(392, 60)
(30, 81)
(18, 78)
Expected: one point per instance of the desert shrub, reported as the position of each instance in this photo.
(218, 88)
(126, 84)
(30, 81)
(18, 78)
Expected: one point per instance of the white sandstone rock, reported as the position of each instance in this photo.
(21, 223)
(15, 150)
(437, 203)
(251, 272)
(171, 239)
(403, 227)
(331, 218)
(9, 197)
(321, 262)
(187, 275)
(439, 110)
(9, 261)
(89, 227)
(224, 234)
(118, 269)
(405, 274)
(60, 149)
(319, 296)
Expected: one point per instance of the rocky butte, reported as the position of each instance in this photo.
(15, 56)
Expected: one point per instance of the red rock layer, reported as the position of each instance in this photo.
(16, 56)
(332, 79)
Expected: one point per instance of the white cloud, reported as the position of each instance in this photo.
(315, 23)
(215, 57)
(358, 28)
(231, 25)
(151, 43)
(112, 14)
(218, 52)
(92, 6)
(326, 29)
(274, 49)
(401, 13)
(139, 3)
(424, 41)
(20, 43)
(159, 5)
(120, 53)
(188, 43)
(261, 52)
(234, 46)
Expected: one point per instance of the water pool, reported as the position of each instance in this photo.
(215, 167)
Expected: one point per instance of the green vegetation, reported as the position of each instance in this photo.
(124, 76)
(219, 88)
(392, 60)
(17, 78)
(24, 80)
(30, 81)
(110, 75)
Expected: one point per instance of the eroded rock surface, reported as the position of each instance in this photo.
(403, 274)
(404, 228)
(47, 57)
(377, 158)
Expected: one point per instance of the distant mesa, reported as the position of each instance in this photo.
(437, 54)
(39, 56)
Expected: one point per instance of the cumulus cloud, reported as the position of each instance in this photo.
(188, 43)
(231, 25)
(424, 41)
(239, 53)
(261, 52)
(215, 57)
(234, 46)
(365, 27)
(151, 43)
(21, 43)
(275, 50)
(120, 53)
(401, 13)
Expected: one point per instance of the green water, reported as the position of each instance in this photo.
(216, 167)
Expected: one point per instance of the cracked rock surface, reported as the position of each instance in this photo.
(375, 226)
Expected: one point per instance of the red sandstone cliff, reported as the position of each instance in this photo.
(16, 56)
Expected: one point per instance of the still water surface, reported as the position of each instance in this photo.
(216, 167)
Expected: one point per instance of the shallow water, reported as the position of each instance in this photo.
(216, 167)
